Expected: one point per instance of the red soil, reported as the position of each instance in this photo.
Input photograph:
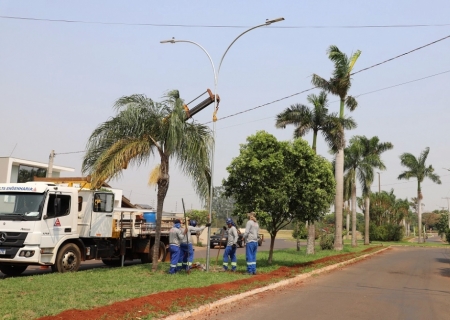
(163, 302)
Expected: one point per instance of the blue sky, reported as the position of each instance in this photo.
(58, 81)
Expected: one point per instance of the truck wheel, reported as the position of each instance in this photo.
(148, 257)
(259, 243)
(68, 259)
(240, 244)
(12, 270)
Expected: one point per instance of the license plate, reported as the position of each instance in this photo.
(215, 243)
(2, 251)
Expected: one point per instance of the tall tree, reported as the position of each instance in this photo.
(316, 120)
(142, 129)
(416, 168)
(361, 157)
(280, 181)
(372, 148)
(339, 85)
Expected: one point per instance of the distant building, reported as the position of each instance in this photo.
(14, 170)
(145, 206)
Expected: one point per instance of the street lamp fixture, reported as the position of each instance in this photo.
(269, 22)
(216, 76)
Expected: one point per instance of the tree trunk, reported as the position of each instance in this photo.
(338, 200)
(354, 244)
(163, 186)
(310, 245)
(366, 221)
(419, 214)
(298, 235)
(347, 224)
(272, 244)
(404, 226)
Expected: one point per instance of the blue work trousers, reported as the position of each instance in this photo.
(250, 256)
(174, 257)
(230, 253)
(186, 256)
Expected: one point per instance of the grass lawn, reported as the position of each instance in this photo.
(30, 297)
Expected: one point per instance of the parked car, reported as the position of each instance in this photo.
(220, 236)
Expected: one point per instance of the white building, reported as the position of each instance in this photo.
(14, 170)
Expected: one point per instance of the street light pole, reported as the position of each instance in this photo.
(216, 78)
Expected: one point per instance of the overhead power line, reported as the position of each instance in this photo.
(226, 26)
(365, 69)
(69, 152)
(357, 95)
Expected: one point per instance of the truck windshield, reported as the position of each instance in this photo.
(21, 205)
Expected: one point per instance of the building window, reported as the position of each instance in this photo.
(27, 173)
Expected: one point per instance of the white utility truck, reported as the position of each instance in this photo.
(46, 224)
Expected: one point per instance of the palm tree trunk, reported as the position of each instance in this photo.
(354, 244)
(347, 224)
(338, 200)
(419, 214)
(310, 246)
(366, 221)
(163, 186)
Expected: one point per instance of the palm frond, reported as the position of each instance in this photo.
(351, 103)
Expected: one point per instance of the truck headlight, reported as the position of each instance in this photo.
(26, 253)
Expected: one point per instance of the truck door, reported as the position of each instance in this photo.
(58, 219)
(102, 215)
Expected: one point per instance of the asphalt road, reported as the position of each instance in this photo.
(200, 252)
(401, 283)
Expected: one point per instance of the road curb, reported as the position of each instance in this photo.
(273, 286)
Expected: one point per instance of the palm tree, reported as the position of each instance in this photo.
(142, 129)
(418, 169)
(347, 197)
(315, 120)
(339, 85)
(361, 157)
(372, 147)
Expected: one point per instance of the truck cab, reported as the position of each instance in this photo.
(42, 223)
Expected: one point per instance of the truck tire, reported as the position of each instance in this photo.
(12, 270)
(259, 242)
(148, 257)
(68, 259)
(240, 243)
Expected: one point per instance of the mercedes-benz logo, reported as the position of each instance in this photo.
(2, 237)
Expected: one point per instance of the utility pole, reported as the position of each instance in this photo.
(448, 209)
(51, 157)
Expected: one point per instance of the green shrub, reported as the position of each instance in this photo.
(447, 235)
(327, 241)
(299, 230)
(387, 232)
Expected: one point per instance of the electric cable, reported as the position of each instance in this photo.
(227, 26)
(365, 69)
(358, 95)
